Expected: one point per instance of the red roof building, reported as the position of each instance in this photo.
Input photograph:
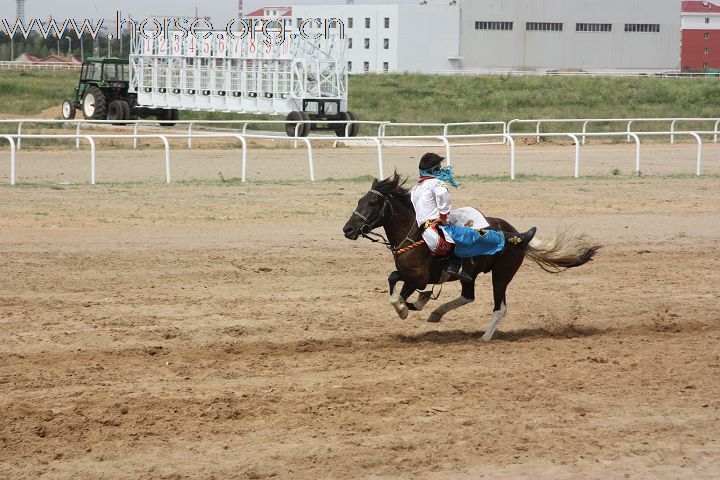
(700, 48)
(26, 58)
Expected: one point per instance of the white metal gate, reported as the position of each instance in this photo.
(242, 75)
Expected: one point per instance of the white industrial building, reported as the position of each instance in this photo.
(501, 35)
(390, 37)
(638, 35)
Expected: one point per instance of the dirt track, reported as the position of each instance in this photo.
(209, 330)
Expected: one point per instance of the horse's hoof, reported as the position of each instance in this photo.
(434, 318)
(403, 314)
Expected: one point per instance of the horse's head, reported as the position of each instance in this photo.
(373, 210)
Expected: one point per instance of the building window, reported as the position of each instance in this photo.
(367, 22)
(367, 43)
(349, 66)
(299, 22)
(386, 66)
(593, 27)
(707, 35)
(349, 42)
(707, 19)
(386, 43)
(350, 23)
(493, 25)
(366, 66)
(706, 50)
(543, 27)
(705, 66)
(642, 27)
(387, 22)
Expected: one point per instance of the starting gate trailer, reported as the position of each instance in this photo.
(301, 77)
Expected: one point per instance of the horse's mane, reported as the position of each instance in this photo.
(393, 186)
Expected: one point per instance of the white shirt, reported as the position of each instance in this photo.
(430, 199)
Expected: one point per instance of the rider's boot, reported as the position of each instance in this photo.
(519, 239)
(455, 270)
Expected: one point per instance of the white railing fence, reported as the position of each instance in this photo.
(586, 122)
(380, 143)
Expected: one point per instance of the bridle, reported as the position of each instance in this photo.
(368, 227)
(366, 231)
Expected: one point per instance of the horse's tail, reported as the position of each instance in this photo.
(561, 252)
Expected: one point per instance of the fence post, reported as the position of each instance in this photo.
(509, 126)
(135, 134)
(512, 156)
(447, 149)
(637, 153)
(584, 131)
(380, 157)
(243, 176)
(716, 130)
(627, 129)
(672, 131)
(297, 133)
(190, 136)
(12, 158)
(91, 140)
(699, 152)
(167, 157)
(310, 159)
(577, 154)
(537, 132)
(77, 132)
(19, 141)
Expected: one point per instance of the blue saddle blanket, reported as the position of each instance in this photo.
(470, 242)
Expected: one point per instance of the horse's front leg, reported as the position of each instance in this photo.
(397, 299)
(466, 296)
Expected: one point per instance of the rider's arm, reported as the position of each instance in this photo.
(442, 200)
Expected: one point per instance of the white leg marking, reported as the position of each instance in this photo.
(398, 303)
(497, 317)
(438, 313)
(422, 300)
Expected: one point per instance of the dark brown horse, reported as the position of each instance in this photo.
(388, 205)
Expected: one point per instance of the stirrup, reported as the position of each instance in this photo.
(455, 271)
(520, 239)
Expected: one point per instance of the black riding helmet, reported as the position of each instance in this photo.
(431, 162)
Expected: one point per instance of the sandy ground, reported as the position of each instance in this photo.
(217, 330)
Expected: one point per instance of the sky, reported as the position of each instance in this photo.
(219, 11)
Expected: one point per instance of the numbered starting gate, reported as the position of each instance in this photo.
(301, 77)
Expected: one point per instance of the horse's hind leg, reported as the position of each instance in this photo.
(500, 281)
(467, 295)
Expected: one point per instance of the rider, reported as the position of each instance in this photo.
(431, 200)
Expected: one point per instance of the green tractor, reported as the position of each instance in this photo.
(102, 94)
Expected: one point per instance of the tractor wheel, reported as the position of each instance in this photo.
(169, 114)
(355, 127)
(94, 104)
(340, 127)
(119, 110)
(305, 129)
(68, 109)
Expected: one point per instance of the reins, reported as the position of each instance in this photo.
(366, 230)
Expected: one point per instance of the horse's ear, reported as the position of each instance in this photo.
(375, 183)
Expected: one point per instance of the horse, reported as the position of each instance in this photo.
(387, 204)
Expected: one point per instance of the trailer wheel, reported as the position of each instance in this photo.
(168, 114)
(68, 109)
(340, 127)
(355, 127)
(94, 104)
(119, 110)
(294, 116)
